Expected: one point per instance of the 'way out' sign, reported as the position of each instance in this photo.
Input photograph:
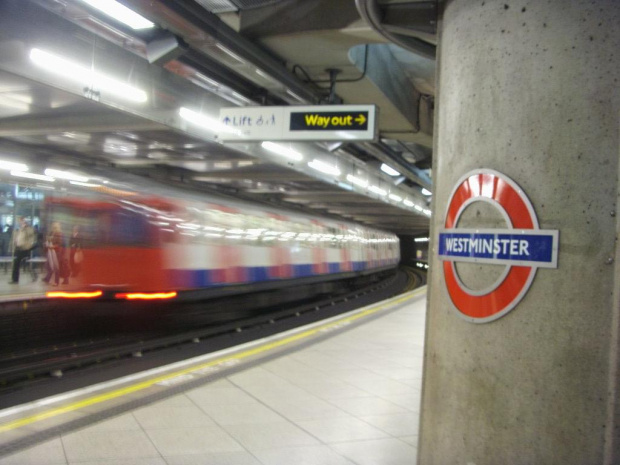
(299, 123)
(523, 247)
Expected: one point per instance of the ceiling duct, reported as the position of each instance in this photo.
(163, 49)
(399, 23)
(218, 6)
(247, 4)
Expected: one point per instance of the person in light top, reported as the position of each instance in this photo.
(24, 240)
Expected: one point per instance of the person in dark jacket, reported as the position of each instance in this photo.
(76, 255)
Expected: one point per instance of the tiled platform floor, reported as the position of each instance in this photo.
(351, 399)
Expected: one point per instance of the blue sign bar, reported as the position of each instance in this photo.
(510, 247)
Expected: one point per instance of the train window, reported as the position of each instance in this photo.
(253, 227)
(125, 228)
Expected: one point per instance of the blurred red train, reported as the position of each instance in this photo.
(138, 245)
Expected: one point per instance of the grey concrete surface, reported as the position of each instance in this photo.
(530, 88)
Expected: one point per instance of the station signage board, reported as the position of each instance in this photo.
(300, 123)
(523, 247)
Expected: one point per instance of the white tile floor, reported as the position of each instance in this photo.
(352, 399)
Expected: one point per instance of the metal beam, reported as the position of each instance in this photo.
(95, 122)
(253, 175)
(203, 30)
(388, 156)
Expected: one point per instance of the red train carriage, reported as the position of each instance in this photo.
(157, 246)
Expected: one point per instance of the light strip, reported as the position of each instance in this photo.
(230, 53)
(396, 198)
(409, 203)
(357, 181)
(121, 13)
(389, 170)
(86, 76)
(378, 190)
(65, 175)
(421, 239)
(205, 122)
(281, 150)
(84, 184)
(267, 77)
(43, 186)
(295, 96)
(426, 192)
(243, 98)
(74, 295)
(324, 167)
(39, 177)
(146, 296)
(418, 208)
(12, 166)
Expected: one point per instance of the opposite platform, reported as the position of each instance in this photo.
(350, 397)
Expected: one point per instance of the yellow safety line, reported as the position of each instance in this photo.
(146, 384)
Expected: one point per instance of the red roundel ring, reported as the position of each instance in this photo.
(495, 188)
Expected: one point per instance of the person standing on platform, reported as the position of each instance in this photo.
(76, 256)
(55, 252)
(24, 240)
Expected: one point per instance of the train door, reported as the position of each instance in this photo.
(345, 251)
(121, 248)
(319, 255)
(372, 250)
(281, 266)
(229, 264)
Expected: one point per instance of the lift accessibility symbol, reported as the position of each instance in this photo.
(523, 247)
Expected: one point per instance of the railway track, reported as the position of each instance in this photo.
(43, 367)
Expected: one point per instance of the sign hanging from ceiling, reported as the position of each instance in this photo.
(299, 123)
(523, 247)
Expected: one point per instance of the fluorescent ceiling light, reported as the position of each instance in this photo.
(205, 122)
(120, 147)
(121, 13)
(282, 150)
(409, 203)
(266, 76)
(11, 166)
(426, 212)
(241, 98)
(396, 198)
(84, 184)
(65, 175)
(295, 96)
(426, 192)
(39, 177)
(86, 76)
(230, 53)
(389, 170)
(418, 208)
(204, 79)
(421, 239)
(324, 167)
(44, 186)
(378, 190)
(357, 181)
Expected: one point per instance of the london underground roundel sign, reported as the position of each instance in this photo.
(523, 247)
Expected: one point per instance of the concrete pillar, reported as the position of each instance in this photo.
(529, 88)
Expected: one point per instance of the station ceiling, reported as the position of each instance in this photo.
(203, 55)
